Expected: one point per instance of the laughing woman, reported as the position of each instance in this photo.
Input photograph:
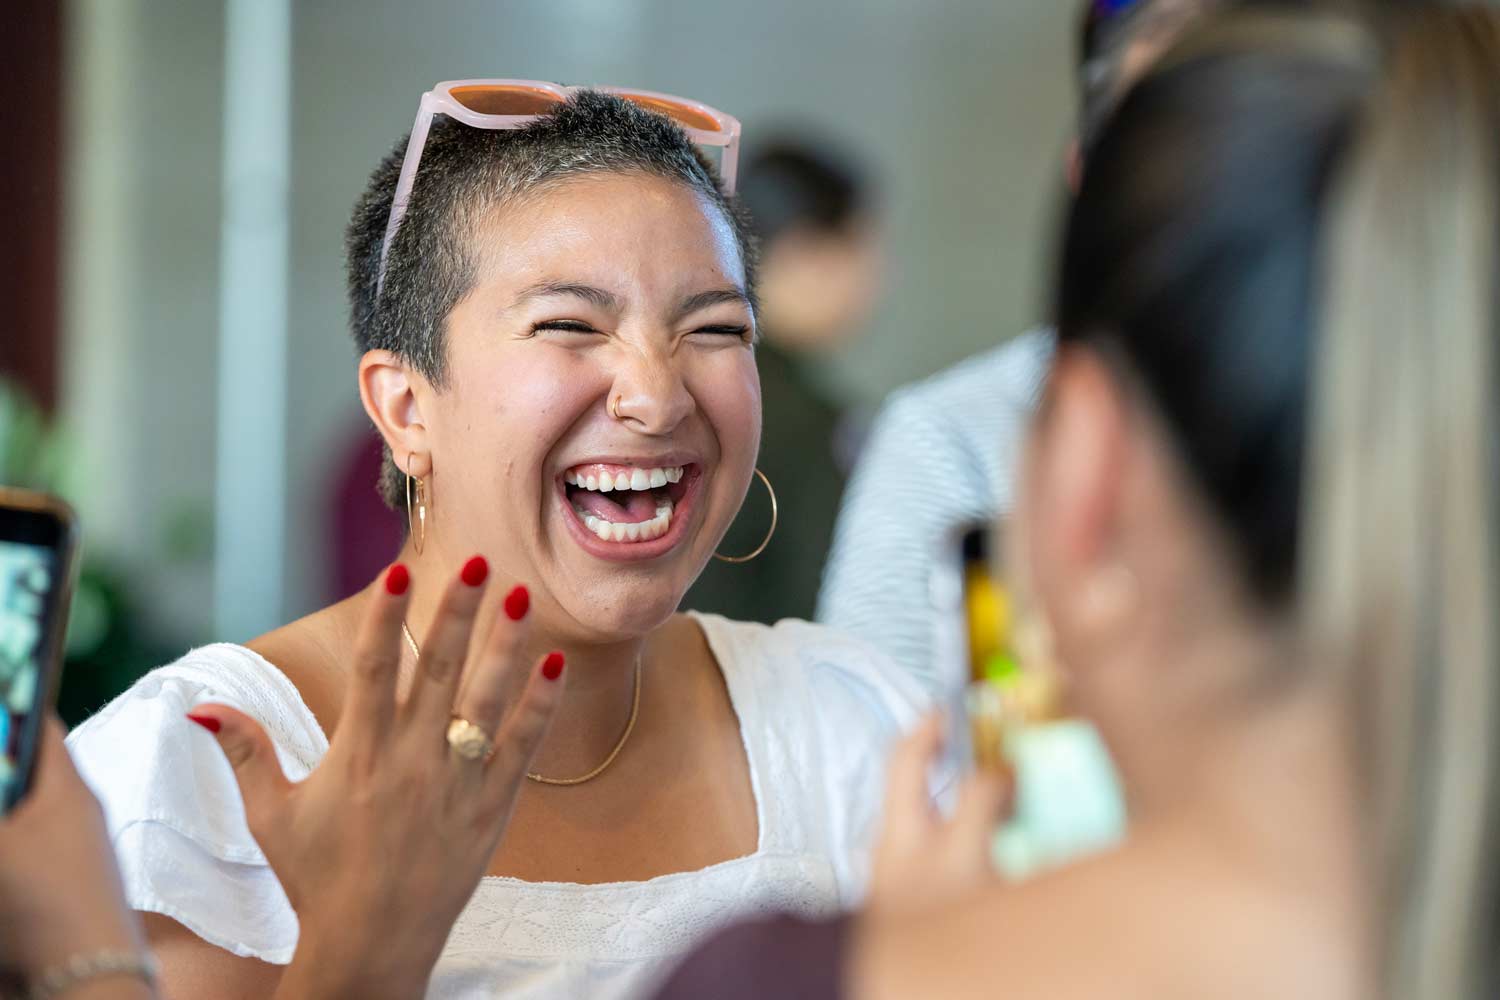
(557, 332)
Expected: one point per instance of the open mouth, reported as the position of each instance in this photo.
(625, 503)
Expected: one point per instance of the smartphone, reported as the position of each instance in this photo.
(38, 545)
(1019, 723)
(973, 642)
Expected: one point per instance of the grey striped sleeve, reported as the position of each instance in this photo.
(941, 455)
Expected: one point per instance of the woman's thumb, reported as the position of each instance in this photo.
(263, 785)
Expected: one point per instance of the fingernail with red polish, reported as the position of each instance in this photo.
(397, 579)
(206, 721)
(552, 666)
(517, 602)
(474, 571)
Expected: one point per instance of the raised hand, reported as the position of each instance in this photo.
(921, 858)
(380, 848)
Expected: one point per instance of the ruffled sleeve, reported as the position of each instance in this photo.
(172, 805)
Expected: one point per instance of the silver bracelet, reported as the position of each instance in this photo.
(80, 969)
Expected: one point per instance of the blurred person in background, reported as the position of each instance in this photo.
(364, 534)
(558, 349)
(814, 215)
(109, 645)
(942, 454)
(1260, 516)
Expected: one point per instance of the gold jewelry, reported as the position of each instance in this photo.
(765, 541)
(614, 408)
(418, 538)
(454, 733)
(468, 740)
(635, 710)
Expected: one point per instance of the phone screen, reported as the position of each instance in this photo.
(35, 558)
(1067, 798)
(987, 609)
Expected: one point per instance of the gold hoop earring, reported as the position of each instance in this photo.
(416, 526)
(765, 541)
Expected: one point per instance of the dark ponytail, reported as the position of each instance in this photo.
(1191, 255)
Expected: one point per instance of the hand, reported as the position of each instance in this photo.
(380, 848)
(922, 859)
(60, 892)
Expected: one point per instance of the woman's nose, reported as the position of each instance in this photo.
(649, 396)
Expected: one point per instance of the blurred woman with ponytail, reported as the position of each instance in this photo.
(1260, 519)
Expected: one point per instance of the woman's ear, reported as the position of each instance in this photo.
(390, 392)
(1076, 463)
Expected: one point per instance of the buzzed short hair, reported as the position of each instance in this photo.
(465, 174)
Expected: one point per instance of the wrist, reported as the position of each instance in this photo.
(54, 950)
(114, 988)
(116, 973)
(335, 966)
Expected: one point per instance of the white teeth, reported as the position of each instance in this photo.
(643, 531)
(626, 479)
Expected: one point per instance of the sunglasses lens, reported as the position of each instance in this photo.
(509, 100)
(679, 113)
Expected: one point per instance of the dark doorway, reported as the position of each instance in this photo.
(31, 48)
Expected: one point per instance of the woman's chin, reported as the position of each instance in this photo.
(619, 614)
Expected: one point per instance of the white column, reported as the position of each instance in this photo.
(250, 485)
(99, 406)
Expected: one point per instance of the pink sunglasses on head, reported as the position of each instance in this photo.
(507, 104)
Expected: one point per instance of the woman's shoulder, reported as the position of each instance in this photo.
(150, 714)
(172, 805)
(819, 710)
(839, 670)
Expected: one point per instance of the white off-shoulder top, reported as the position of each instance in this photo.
(817, 713)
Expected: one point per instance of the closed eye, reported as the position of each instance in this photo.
(734, 330)
(564, 326)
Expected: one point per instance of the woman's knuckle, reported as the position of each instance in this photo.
(485, 704)
(370, 666)
(440, 666)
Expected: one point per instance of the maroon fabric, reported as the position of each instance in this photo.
(30, 171)
(366, 534)
(781, 957)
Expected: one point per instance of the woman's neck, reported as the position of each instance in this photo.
(601, 677)
(1261, 756)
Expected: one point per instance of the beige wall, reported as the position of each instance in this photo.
(963, 107)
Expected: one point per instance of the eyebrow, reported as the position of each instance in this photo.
(610, 302)
(599, 297)
(713, 297)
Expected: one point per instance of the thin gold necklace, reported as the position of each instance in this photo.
(635, 708)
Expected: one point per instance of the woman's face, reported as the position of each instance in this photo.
(604, 292)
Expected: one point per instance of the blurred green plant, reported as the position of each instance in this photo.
(107, 647)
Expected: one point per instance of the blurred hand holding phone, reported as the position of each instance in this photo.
(1067, 800)
(64, 921)
(38, 540)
